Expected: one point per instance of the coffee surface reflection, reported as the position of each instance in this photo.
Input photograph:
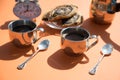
(77, 36)
(23, 28)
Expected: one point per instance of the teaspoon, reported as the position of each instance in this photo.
(106, 50)
(42, 46)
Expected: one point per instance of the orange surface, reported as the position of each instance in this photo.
(53, 64)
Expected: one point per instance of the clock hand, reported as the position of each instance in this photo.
(27, 8)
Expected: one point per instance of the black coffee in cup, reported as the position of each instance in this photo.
(23, 28)
(77, 35)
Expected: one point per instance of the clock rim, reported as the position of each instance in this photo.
(25, 17)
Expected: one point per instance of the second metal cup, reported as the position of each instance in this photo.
(76, 40)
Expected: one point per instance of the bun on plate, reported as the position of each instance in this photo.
(64, 15)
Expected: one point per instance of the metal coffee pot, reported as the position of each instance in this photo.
(103, 11)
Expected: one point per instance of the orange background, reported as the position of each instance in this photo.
(53, 64)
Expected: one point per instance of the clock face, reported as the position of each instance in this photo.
(27, 10)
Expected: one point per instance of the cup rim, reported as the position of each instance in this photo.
(63, 35)
(9, 25)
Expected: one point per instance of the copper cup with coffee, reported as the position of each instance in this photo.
(23, 32)
(76, 40)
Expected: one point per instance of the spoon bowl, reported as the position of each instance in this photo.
(43, 45)
(106, 50)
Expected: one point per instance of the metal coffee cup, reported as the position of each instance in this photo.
(76, 40)
(23, 32)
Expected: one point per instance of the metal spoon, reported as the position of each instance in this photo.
(42, 46)
(106, 50)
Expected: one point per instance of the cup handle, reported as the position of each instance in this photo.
(34, 37)
(35, 34)
(93, 37)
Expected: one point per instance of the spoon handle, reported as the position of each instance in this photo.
(21, 66)
(93, 70)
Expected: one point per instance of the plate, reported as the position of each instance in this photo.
(53, 25)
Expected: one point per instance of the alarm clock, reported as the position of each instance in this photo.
(26, 9)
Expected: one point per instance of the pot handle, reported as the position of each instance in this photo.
(117, 7)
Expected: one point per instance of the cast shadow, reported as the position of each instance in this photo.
(5, 25)
(61, 60)
(48, 31)
(9, 51)
(100, 30)
(107, 55)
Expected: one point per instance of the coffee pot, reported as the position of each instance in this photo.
(103, 11)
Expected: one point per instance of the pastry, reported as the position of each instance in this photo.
(76, 19)
(60, 12)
